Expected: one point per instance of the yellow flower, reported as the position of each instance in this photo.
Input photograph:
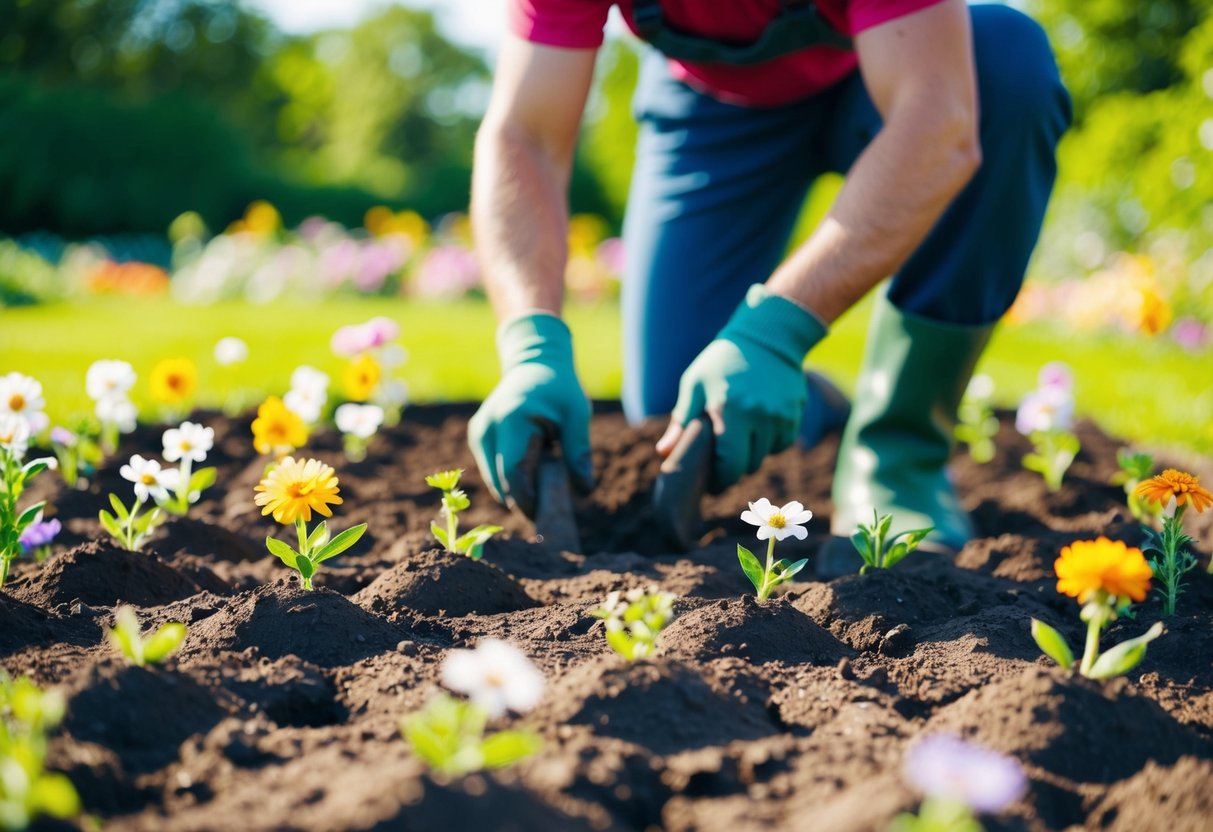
(174, 380)
(1182, 486)
(296, 488)
(361, 377)
(1087, 567)
(277, 430)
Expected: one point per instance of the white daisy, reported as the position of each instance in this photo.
(190, 441)
(230, 351)
(21, 395)
(118, 411)
(779, 523)
(149, 478)
(109, 379)
(14, 435)
(360, 420)
(309, 378)
(496, 676)
(306, 402)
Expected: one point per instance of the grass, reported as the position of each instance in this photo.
(1148, 391)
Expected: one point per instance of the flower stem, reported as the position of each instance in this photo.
(452, 529)
(1091, 653)
(130, 525)
(301, 532)
(764, 591)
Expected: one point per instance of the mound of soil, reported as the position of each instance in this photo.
(436, 582)
(282, 710)
(101, 574)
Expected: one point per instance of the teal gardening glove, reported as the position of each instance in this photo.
(537, 399)
(751, 382)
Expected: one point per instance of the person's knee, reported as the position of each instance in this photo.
(1016, 72)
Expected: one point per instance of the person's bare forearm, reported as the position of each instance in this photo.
(893, 195)
(520, 216)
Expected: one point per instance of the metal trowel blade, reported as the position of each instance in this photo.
(682, 483)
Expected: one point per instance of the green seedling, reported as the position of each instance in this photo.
(1053, 453)
(454, 501)
(27, 790)
(449, 735)
(15, 475)
(634, 620)
(1135, 467)
(878, 550)
(976, 424)
(139, 650)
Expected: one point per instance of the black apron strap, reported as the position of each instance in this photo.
(798, 26)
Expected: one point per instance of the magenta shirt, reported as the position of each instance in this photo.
(578, 24)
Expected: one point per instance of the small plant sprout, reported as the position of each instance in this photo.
(15, 475)
(1106, 577)
(1173, 491)
(139, 650)
(1046, 417)
(152, 484)
(187, 445)
(878, 550)
(449, 735)
(634, 620)
(291, 491)
(773, 524)
(277, 430)
(172, 383)
(108, 383)
(976, 424)
(77, 452)
(1134, 468)
(358, 424)
(455, 500)
(959, 781)
(38, 536)
(309, 393)
(27, 789)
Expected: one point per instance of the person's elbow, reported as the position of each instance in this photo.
(953, 131)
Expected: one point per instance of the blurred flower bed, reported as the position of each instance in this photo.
(258, 259)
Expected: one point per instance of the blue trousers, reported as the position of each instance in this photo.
(717, 189)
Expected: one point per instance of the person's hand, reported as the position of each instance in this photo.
(538, 399)
(750, 383)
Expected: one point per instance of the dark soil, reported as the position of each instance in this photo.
(282, 709)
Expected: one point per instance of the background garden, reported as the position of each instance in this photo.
(181, 170)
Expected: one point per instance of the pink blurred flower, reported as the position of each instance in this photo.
(349, 341)
(610, 255)
(1190, 334)
(947, 767)
(338, 262)
(1056, 374)
(377, 261)
(447, 271)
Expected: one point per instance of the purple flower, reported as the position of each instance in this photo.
(62, 436)
(1190, 334)
(39, 533)
(1056, 374)
(947, 767)
(447, 271)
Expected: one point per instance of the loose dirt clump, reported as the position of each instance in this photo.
(282, 709)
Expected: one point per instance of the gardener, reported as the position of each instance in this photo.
(944, 119)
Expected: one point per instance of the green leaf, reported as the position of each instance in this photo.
(1052, 644)
(126, 635)
(109, 524)
(282, 551)
(750, 566)
(164, 643)
(339, 543)
(33, 468)
(318, 537)
(305, 566)
(791, 571)
(30, 514)
(427, 744)
(863, 544)
(1125, 656)
(444, 480)
(471, 543)
(145, 523)
(455, 501)
(621, 642)
(119, 509)
(508, 747)
(202, 479)
(440, 533)
(53, 794)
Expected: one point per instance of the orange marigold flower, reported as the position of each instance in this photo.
(277, 430)
(1088, 566)
(296, 488)
(1182, 486)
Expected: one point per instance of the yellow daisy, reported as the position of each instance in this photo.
(296, 488)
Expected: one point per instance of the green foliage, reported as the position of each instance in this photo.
(448, 734)
(314, 548)
(976, 426)
(27, 790)
(128, 527)
(190, 490)
(766, 578)
(634, 620)
(25, 277)
(1052, 644)
(1116, 661)
(937, 815)
(878, 550)
(454, 501)
(1119, 660)
(15, 475)
(1170, 560)
(1053, 453)
(1134, 467)
(139, 650)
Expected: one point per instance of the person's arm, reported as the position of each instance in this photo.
(520, 217)
(919, 72)
(524, 157)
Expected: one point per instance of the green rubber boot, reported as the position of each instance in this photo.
(897, 442)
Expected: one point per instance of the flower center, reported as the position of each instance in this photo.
(175, 381)
(777, 521)
(16, 402)
(494, 680)
(186, 446)
(147, 479)
(299, 490)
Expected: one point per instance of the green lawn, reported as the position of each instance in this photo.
(1150, 391)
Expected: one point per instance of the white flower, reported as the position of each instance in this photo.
(1046, 409)
(109, 379)
(229, 351)
(190, 441)
(391, 356)
(118, 411)
(981, 388)
(309, 378)
(780, 523)
(391, 394)
(149, 478)
(496, 676)
(306, 402)
(21, 396)
(14, 434)
(361, 420)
